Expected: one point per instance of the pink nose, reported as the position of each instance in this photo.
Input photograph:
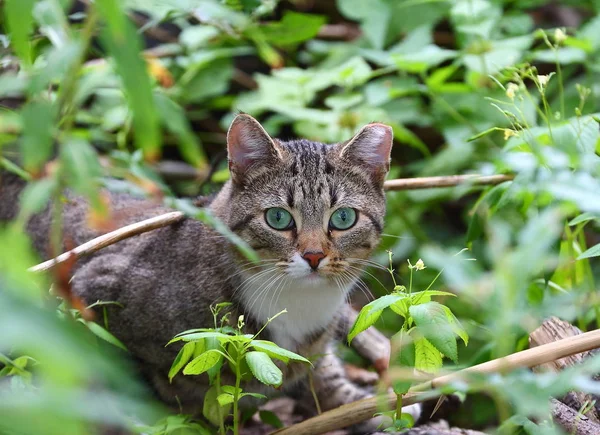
(313, 259)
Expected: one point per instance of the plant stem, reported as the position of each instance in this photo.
(548, 115)
(398, 406)
(311, 385)
(561, 90)
(219, 409)
(236, 394)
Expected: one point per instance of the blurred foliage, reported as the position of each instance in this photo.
(469, 86)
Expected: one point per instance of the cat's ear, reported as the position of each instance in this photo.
(248, 146)
(370, 148)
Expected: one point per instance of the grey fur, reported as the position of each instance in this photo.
(167, 279)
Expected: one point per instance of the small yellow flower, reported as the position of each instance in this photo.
(508, 133)
(559, 36)
(511, 90)
(543, 80)
(419, 265)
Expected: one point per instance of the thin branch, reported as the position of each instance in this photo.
(173, 217)
(339, 32)
(445, 181)
(112, 238)
(362, 410)
(189, 172)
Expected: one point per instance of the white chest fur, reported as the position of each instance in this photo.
(310, 304)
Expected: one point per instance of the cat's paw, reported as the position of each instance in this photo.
(360, 376)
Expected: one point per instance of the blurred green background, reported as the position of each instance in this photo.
(137, 96)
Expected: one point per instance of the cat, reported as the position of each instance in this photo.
(312, 212)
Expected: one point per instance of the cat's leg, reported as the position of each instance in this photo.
(370, 344)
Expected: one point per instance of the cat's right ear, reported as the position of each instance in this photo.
(248, 146)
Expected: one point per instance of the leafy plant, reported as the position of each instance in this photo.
(211, 350)
(429, 329)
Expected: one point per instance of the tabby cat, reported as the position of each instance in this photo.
(312, 212)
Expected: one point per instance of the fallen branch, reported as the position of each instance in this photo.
(173, 217)
(362, 410)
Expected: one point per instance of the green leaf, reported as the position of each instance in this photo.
(204, 80)
(401, 307)
(433, 324)
(174, 118)
(214, 344)
(423, 59)
(203, 363)
(255, 395)
(39, 124)
(201, 335)
(584, 217)
(264, 369)
(102, 333)
(439, 76)
(373, 15)
(293, 28)
(211, 409)
(182, 358)
(427, 357)
(195, 37)
(594, 251)
(371, 312)
(82, 168)
(123, 42)
(564, 55)
(415, 297)
(456, 326)
(225, 399)
(401, 387)
(277, 352)
(19, 21)
(270, 418)
(35, 196)
(58, 61)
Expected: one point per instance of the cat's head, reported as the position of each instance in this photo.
(314, 211)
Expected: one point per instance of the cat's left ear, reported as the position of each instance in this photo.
(250, 147)
(371, 148)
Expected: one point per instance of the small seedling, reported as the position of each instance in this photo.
(428, 333)
(206, 350)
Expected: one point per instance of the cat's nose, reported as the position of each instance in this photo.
(313, 259)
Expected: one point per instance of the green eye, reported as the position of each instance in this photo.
(279, 219)
(342, 218)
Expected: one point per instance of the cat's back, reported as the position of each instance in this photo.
(152, 285)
